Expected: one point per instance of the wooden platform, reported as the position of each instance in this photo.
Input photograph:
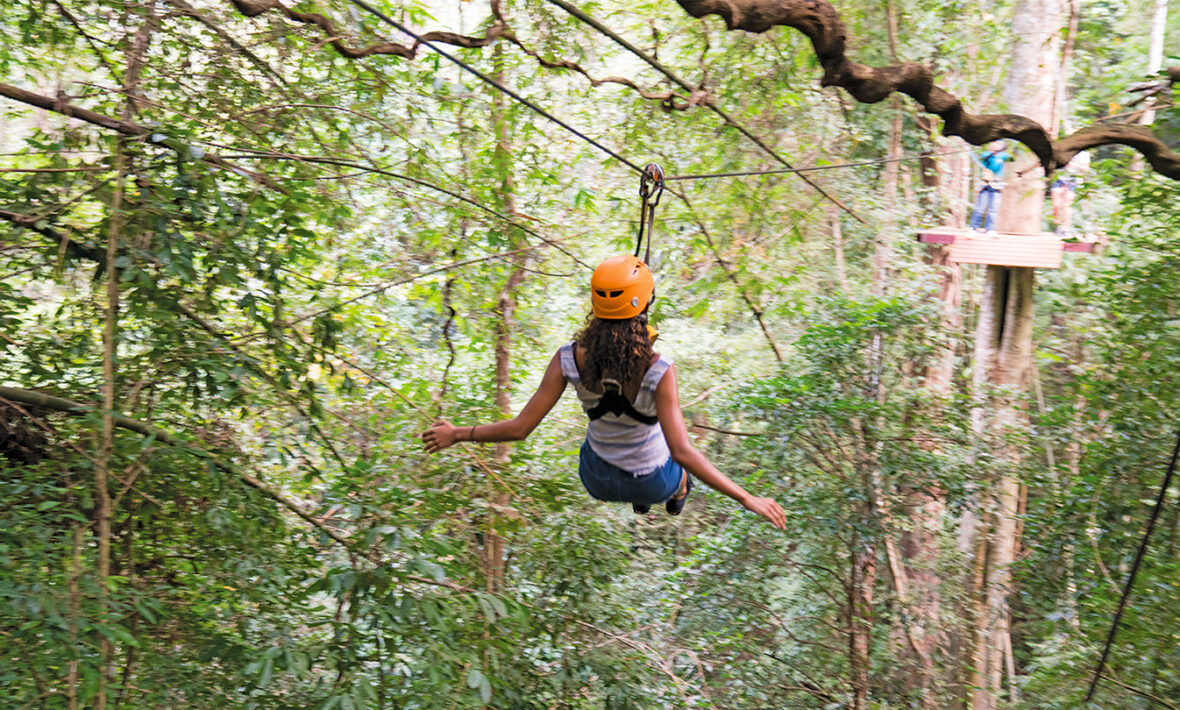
(1040, 250)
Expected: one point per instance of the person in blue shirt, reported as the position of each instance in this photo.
(987, 202)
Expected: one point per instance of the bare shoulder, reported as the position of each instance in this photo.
(669, 375)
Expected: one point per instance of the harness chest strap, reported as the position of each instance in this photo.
(615, 402)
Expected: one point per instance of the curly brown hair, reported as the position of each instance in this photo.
(615, 349)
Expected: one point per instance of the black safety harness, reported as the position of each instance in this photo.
(614, 401)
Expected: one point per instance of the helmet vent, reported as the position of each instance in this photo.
(600, 292)
(616, 294)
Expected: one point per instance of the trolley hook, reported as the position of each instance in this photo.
(651, 188)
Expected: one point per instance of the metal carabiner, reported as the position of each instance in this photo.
(651, 187)
(651, 184)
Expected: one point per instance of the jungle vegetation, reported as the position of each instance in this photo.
(249, 249)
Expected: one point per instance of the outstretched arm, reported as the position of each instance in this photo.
(696, 463)
(443, 434)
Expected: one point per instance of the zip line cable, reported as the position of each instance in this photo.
(400, 176)
(493, 83)
(1118, 616)
(618, 39)
(629, 47)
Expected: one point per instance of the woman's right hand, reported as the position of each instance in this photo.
(769, 509)
(439, 436)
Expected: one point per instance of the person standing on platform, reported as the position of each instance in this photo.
(987, 202)
(1061, 192)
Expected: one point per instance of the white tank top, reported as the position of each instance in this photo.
(617, 438)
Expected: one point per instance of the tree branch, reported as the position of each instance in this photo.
(60, 404)
(127, 128)
(106, 63)
(73, 248)
(730, 432)
(189, 11)
(820, 22)
(668, 99)
(1139, 692)
(755, 310)
(254, 8)
(498, 29)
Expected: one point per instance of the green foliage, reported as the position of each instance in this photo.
(301, 321)
(1122, 405)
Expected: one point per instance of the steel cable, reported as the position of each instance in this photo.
(493, 83)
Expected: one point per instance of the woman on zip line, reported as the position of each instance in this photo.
(637, 448)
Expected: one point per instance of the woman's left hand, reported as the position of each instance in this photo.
(439, 436)
(769, 509)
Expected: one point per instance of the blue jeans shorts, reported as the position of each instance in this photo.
(607, 482)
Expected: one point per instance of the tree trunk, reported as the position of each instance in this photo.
(860, 614)
(926, 507)
(887, 233)
(506, 307)
(1003, 351)
(1155, 58)
(102, 494)
(75, 611)
(838, 247)
(110, 349)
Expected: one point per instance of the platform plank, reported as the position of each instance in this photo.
(1008, 250)
(1041, 250)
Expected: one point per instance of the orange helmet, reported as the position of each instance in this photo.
(621, 287)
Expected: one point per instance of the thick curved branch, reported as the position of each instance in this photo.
(820, 22)
(253, 8)
(1161, 158)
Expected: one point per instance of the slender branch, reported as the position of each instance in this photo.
(465, 445)
(1143, 693)
(731, 432)
(61, 404)
(261, 372)
(368, 117)
(513, 219)
(382, 288)
(783, 625)
(106, 63)
(37, 225)
(189, 11)
(755, 310)
(91, 169)
(809, 685)
(668, 99)
(127, 128)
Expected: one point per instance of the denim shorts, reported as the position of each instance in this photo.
(607, 482)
